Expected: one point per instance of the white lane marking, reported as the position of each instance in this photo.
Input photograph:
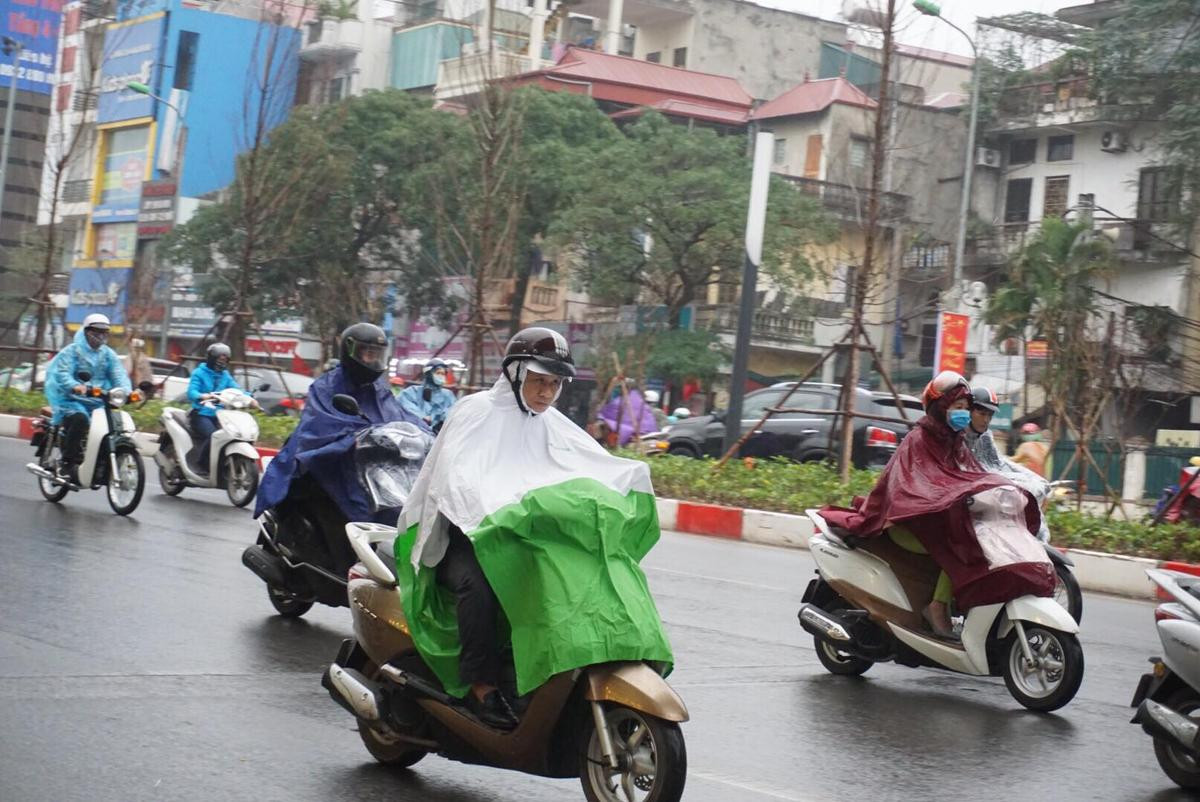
(758, 788)
(689, 575)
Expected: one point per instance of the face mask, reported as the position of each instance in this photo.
(958, 419)
(439, 379)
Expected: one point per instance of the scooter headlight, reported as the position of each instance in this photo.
(118, 396)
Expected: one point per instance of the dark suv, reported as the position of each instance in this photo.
(799, 436)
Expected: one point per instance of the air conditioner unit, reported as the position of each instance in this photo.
(987, 157)
(1114, 141)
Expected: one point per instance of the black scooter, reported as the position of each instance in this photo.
(302, 553)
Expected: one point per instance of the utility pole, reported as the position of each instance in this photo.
(863, 274)
(756, 218)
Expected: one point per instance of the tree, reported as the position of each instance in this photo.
(1050, 294)
(663, 211)
(1146, 59)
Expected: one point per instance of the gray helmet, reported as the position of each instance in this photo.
(214, 354)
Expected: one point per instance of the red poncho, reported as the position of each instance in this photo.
(925, 487)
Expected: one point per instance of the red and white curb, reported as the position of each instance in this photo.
(1105, 573)
(147, 442)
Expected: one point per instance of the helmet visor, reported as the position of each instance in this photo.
(370, 355)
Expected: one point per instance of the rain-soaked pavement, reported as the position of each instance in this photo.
(140, 661)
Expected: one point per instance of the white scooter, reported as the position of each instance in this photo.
(110, 456)
(232, 458)
(865, 607)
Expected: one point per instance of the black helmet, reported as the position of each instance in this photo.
(545, 346)
(364, 352)
(537, 344)
(433, 365)
(214, 353)
(984, 398)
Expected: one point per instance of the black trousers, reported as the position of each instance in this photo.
(477, 607)
(203, 427)
(74, 433)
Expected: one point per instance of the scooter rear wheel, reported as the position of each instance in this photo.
(651, 755)
(1067, 592)
(395, 753)
(288, 605)
(1180, 766)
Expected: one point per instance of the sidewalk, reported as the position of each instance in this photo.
(1104, 573)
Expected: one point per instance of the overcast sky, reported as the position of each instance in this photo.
(917, 29)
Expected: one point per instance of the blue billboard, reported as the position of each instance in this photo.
(34, 24)
(130, 54)
(132, 9)
(98, 289)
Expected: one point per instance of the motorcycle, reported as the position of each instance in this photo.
(615, 726)
(301, 552)
(110, 456)
(1168, 698)
(233, 460)
(865, 607)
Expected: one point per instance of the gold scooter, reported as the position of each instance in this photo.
(613, 725)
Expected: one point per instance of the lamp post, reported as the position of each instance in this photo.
(164, 334)
(932, 9)
(13, 49)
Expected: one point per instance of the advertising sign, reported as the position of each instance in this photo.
(116, 241)
(132, 9)
(156, 212)
(1037, 349)
(130, 54)
(34, 24)
(98, 289)
(951, 343)
(121, 177)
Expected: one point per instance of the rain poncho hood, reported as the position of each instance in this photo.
(559, 526)
(925, 486)
(323, 445)
(104, 365)
(629, 417)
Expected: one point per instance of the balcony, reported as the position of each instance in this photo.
(851, 202)
(77, 191)
(330, 40)
(769, 328)
(1061, 103)
(467, 74)
(1133, 240)
(642, 13)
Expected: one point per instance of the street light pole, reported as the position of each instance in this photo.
(932, 9)
(11, 48)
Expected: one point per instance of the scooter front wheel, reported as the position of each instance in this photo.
(1177, 763)
(1053, 677)
(126, 486)
(241, 479)
(651, 759)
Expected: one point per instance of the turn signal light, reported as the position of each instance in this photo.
(134, 397)
(97, 392)
(1163, 612)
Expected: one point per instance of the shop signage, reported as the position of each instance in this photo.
(156, 212)
(951, 342)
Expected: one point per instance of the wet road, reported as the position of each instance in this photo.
(139, 660)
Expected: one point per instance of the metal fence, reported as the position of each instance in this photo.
(1162, 467)
(1108, 455)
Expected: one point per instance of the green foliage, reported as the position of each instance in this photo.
(1071, 529)
(1146, 59)
(688, 190)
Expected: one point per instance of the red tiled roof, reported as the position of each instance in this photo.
(948, 100)
(813, 96)
(591, 65)
(685, 108)
(934, 55)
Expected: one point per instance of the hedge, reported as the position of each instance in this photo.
(777, 485)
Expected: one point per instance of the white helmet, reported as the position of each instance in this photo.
(652, 397)
(682, 412)
(96, 321)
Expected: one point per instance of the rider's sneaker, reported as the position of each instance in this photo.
(494, 711)
(68, 471)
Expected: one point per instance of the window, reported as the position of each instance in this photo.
(63, 98)
(185, 60)
(1054, 201)
(68, 59)
(1060, 148)
(1156, 195)
(680, 59)
(928, 344)
(1016, 200)
(71, 23)
(780, 152)
(655, 57)
(337, 89)
(314, 32)
(759, 401)
(860, 152)
(1022, 151)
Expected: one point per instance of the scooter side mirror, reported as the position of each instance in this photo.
(262, 388)
(346, 404)
(147, 387)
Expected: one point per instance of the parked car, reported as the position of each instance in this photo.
(801, 437)
(274, 400)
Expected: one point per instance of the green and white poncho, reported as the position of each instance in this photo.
(559, 526)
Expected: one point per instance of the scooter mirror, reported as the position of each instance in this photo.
(262, 388)
(345, 404)
(147, 387)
